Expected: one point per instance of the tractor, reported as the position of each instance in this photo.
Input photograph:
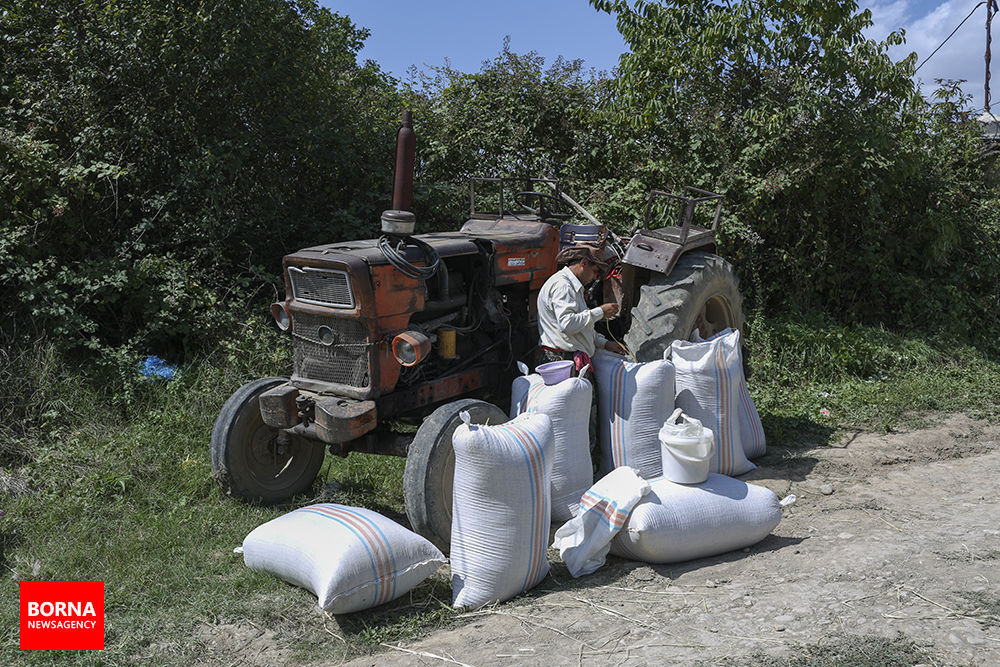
(393, 337)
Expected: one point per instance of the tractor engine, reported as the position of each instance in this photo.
(366, 334)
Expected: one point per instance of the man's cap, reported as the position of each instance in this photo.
(580, 251)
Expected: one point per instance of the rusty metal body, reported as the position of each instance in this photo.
(347, 303)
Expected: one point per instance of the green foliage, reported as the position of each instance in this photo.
(812, 375)
(154, 157)
(156, 162)
(515, 117)
(846, 192)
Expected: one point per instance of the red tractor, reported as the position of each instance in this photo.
(417, 328)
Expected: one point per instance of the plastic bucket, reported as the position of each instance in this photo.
(686, 449)
(555, 372)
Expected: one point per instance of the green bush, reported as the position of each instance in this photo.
(157, 160)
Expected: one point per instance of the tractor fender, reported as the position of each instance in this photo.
(655, 254)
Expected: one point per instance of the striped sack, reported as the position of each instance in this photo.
(709, 374)
(751, 430)
(583, 542)
(568, 406)
(351, 558)
(501, 508)
(679, 522)
(635, 400)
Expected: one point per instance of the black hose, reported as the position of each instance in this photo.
(396, 255)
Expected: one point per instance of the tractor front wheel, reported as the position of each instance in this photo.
(429, 477)
(255, 462)
(702, 292)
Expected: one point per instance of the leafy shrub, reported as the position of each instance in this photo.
(154, 155)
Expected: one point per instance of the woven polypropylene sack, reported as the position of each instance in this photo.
(678, 522)
(583, 542)
(635, 400)
(751, 430)
(568, 406)
(350, 557)
(709, 374)
(501, 509)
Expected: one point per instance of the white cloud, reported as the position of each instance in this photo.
(927, 25)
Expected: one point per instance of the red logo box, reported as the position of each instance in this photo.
(62, 615)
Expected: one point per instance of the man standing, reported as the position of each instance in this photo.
(565, 322)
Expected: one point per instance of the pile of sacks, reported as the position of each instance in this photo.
(673, 432)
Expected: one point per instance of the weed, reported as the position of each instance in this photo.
(844, 651)
(983, 607)
(968, 556)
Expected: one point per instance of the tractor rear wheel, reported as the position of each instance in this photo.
(702, 292)
(250, 461)
(429, 477)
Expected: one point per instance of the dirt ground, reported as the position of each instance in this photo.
(894, 536)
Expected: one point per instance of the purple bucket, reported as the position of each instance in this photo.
(555, 372)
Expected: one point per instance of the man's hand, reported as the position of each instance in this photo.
(610, 310)
(612, 346)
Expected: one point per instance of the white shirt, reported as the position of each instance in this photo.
(564, 320)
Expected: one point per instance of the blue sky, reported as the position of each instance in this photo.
(426, 33)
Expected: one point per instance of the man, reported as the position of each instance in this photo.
(565, 322)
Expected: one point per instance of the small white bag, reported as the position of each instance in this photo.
(501, 511)
(351, 558)
(583, 542)
(686, 448)
(568, 406)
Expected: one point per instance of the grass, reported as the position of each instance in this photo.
(983, 607)
(812, 379)
(107, 477)
(846, 651)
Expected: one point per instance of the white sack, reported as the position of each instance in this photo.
(351, 558)
(751, 430)
(568, 406)
(678, 522)
(635, 400)
(501, 509)
(583, 542)
(708, 382)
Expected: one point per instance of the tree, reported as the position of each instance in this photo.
(515, 117)
(155, 156)
(820, 141)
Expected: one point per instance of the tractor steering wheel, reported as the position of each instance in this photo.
(522, 199)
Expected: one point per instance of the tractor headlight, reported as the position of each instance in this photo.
(281, 316)
(410, 347)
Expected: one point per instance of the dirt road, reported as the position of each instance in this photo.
(892, 552)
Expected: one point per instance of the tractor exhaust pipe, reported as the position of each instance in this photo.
(406, 143)
(399, 220)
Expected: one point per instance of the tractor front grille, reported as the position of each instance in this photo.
(328, 349)
(324, 287)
